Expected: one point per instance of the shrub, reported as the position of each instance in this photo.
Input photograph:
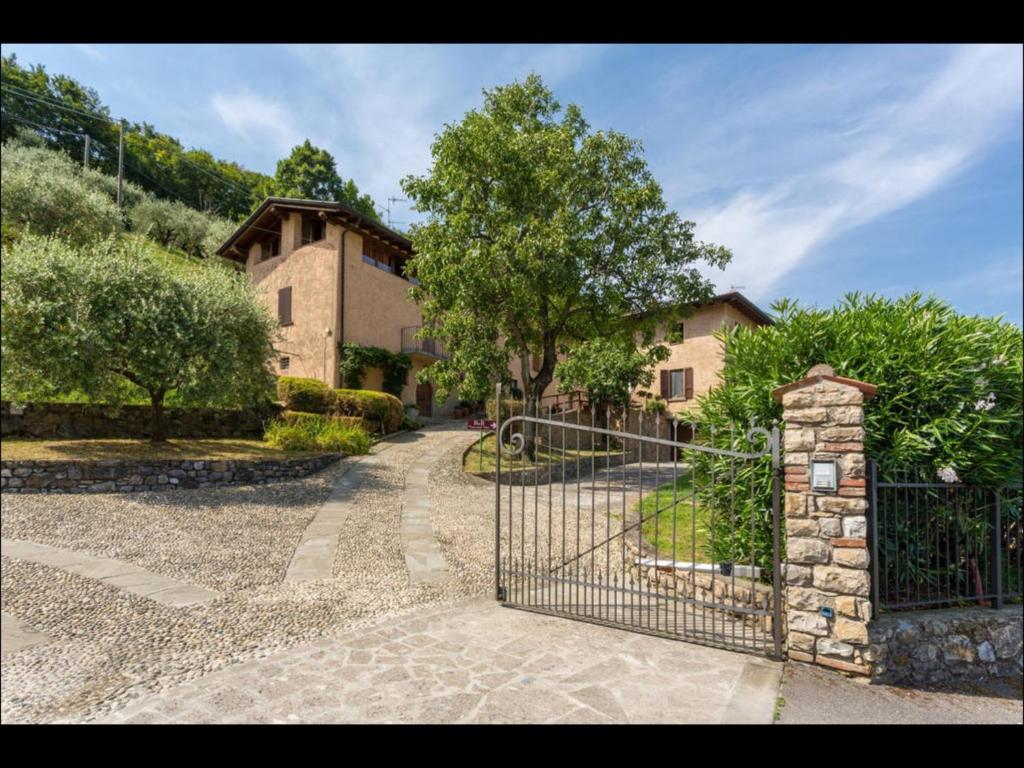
(298, 417)
(379, 407)
(509, 407)
(409, 423)
(949, 393)
(315, 432)
(309, 395)
(43, 192)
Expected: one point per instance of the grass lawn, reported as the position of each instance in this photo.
(683, 513)
(471, 462)
(64, 450)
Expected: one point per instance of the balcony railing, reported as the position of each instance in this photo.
(411, 345)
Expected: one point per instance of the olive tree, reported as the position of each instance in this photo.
(92, 318)
(541, 233)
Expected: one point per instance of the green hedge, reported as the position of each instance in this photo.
(379, 410)
(379, 407)
(308, 395)
(509, 407)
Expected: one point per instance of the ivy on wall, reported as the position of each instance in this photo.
(355, 359)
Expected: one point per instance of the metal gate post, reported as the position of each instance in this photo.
(997, 552)
(499, 593)
(776, 546)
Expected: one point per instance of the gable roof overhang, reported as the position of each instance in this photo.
(740, 302)
(271, 210)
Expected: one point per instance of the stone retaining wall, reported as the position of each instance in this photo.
(946, 646)
(111, 476)
(82, 421)
(704, 587)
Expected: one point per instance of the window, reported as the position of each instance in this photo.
(312, 230)
(285, 362)
(677, 388)
(270, 248)
(284, 306)
(677, 384)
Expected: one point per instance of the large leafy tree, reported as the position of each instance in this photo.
(540, 234)
(311, 173)
(95, 318)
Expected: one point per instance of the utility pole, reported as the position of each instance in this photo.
(120, 165)
(85, 157)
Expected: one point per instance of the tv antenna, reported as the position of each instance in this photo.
(737, 287)
(388, 209)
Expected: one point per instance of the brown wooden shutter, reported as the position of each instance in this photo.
(665, 385)
(284, 306)
(688, 383)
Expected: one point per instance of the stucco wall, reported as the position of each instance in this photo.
(376, 305)
(311, 271)
(699, 350)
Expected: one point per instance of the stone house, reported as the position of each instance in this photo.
(331, 275)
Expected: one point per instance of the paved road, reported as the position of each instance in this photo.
(814, 695)
(476, 662)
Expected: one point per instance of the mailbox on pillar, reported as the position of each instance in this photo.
(824, 475)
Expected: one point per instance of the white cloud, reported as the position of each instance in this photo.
(91, 51)
(381, 105)
(900, 151)
(256, 119)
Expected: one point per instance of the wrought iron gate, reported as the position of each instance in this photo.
(595, 521)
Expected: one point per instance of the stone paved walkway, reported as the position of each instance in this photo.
(476, 662)
(16, 635)
(114, 573)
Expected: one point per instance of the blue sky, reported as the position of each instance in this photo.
(825, 169)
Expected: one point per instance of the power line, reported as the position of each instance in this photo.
(48, 101)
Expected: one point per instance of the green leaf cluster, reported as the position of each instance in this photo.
(94, 317)
(356, 358)
(949, 394)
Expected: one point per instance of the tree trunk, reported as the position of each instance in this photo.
(156, 405)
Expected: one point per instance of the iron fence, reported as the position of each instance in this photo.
(936, 544)
(661, 545)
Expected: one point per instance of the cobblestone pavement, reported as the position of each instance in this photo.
(814, 695)
(109, 645)
(476, 662)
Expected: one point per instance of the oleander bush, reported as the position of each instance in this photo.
(949, 396)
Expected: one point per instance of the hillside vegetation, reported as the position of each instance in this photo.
(62, 113)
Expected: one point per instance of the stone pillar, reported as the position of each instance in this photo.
(827, 581)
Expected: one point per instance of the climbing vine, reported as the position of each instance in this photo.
(355, 359)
